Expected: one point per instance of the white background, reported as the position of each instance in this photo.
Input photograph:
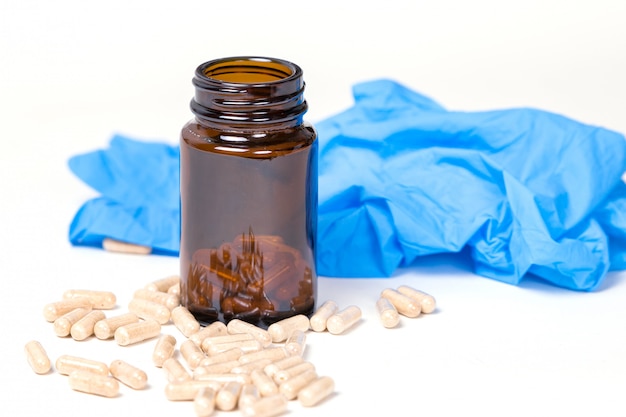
(72, 73)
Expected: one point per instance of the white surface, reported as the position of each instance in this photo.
(73, 73)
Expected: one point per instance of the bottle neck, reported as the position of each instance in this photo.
(249, 93)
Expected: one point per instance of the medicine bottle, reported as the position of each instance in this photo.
(248, 194)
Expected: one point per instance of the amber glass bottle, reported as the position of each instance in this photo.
(248, 194)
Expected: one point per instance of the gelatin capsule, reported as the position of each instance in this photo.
(171, 301)
(188, 390)
(321, 316)
(237, 326)
(283, 328)
(204, 402)
(274, 353)
(128, 374)
(53, 311)
(185, 321)
(251, 345)
(285, 363)
(147, 309)
(266, 407)
(251, 366)
(100, 300)
(118, 246)
(216, 368)
(216, 328)
(405, 305)
(388, 314)
(249, 394)
(37, 357)
(288, 373)
(192, 354)
(63, 325)
(316, 391)
(174, 290)
(84, 327)
(225, 356)
(427, 301)
(264, 383)
(163, 284)
(105, 329)
(291, 387)
(137, 332)
(343, 320)
(296, 343)
(175, 371)
(66, 364)
(163, 349)
(227, 396)
(91, 383)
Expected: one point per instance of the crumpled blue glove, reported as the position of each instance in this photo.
(530, 192)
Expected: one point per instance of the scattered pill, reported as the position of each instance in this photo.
(100, 300)
(192, 354)
(250, 345)
(163, 284)
(37, 357)
(264, 383)
(204, 402)
(63, 325)
(137, 332)
(225, 356)
(285, 363)
(316, 391)
(175, 371)
(283, 328)
(296, 343)
(53, 311)
(216, 328)
(236, 326)
(247, 368)
(128, 374)
(105, 329)
(84, 327)
(405, 305)
(171, 301)
(163, 349)
(113, 245)
(66, 364)
(321, 316)
(187, 390)
(388, 314)
(343, 320)
(185, 321)
(249, 394)
(91, 383)
(288, 373)
(147, 309)
(274, 353)
(227, 396)
(266, 407)
(216, 368)
(427, 301)
(292, 386)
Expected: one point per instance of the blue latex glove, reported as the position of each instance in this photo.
(400, 177)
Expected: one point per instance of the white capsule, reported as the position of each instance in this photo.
(37, 357)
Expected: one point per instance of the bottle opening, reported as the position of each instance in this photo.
(249, 71)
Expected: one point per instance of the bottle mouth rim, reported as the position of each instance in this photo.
(266, 70)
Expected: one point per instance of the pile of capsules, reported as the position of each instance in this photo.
(228, 366)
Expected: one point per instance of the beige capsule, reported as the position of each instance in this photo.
(37, 357)
(53, 311)
(288, 373)
(405, 305)
(63, 325)
(175, 371)
(316, 391)
(185, 321)
(321, 316)
(105, 329)
(291, 387)
(427, 301)
(249, 394)
(147, 309)
(118, 246)
(296, 342)
(170, 301)
(163, 349)
(137, 332)
(204, 402)
(91, 383)
(128, 374)
(343, 320)
(216, 328)
(237, 326)
(266, 407)
(84, 327)
(227, 396)
(251, 366)
(174, 289)
(66, 364)
(274, 353)
(247, 346)
(264, 383)
(225, 356)
(216, 368)
(100, 300)
(192, 354)
(387, 312)
(285, 363)
(188, 390)
(163, 284)
(281, 330)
